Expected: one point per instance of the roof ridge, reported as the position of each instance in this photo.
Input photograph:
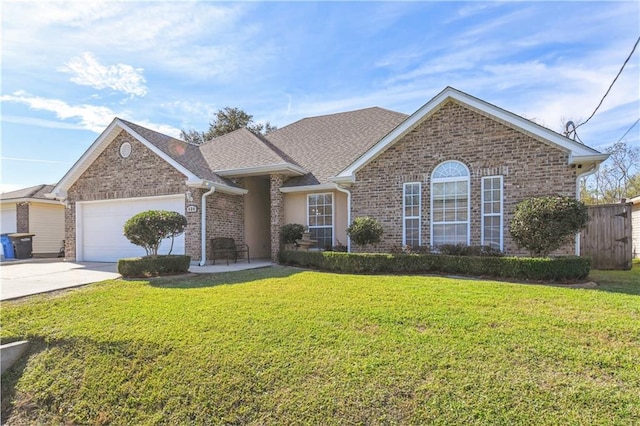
(36, 189)
(348, 112)
(280, 153)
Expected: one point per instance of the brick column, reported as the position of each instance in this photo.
(192, 237)
(22, 217)
(277, 213)
(70, 231)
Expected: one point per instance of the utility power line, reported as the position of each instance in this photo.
(627, 132)
(611, 85)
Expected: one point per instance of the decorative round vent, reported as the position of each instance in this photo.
(125, 150)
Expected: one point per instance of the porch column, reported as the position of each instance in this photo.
(22, 217)
(192, 237)
(277, 213)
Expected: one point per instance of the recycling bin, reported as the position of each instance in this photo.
(22, 245)
(7, 246)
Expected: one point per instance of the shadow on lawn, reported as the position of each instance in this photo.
(224, 278)
(627, 282)
(74, 350)
(631, 289)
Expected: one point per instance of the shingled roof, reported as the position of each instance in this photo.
(242, 149)
(320, 146)
(34, 192)
(326, 144)
(186, 154)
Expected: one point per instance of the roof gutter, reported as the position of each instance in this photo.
(597, 158)
(307, 188)
(203, 226)
(346, 191)
(31, 200)
(206, 184)
(285, 168)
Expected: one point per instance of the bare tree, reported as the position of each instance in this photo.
(617, 177)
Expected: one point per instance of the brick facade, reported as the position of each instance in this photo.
(109, 177)
(486, 146)
(144, 174)
(22, 217)
(225, 218)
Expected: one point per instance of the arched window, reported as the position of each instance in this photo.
(450, 204)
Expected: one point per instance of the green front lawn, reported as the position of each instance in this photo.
(286, 346)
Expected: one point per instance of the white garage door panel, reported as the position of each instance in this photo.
(102, 227)
(8, 219)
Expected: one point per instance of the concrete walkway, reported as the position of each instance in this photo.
(240, 266)
(33, 276)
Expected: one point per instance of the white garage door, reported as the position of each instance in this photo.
(8, 219)
(100, 227)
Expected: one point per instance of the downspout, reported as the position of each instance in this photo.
(579, 178)
(203, 226)
(346, 191)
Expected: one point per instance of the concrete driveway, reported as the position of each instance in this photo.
(41, 276)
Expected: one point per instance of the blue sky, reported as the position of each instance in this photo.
(69, 68)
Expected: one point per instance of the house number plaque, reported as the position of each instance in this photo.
(192, 208)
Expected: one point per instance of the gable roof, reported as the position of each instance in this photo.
(243, 153)
(326, 144)
(184, 157)
(578, 153)
(185, 154)
(33, 193)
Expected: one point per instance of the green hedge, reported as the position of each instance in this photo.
(153, 266)
(547, 269)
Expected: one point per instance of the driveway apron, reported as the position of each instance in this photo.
(24, 279)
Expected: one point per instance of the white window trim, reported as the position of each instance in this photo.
(451, 179)
(333, 215)
(482, 215)
(404, 217)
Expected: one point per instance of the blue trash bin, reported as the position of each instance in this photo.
(7, 246)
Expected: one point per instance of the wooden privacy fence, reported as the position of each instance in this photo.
(607, 238)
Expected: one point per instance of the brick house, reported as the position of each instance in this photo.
(452, 172)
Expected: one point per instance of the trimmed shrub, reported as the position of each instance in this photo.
(291, 232)
(153, 266)
(544, 224)
(365, 230)
(526, 268)
(465, 250)
(149, 228)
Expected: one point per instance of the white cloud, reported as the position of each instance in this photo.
(34, 160)
(87, 71)
(90, 117)
(162, 128)
(39, 122)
